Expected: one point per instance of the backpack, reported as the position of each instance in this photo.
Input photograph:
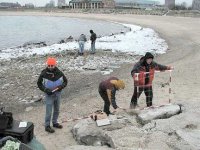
(6, 119)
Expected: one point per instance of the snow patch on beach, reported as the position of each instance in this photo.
(138, 41)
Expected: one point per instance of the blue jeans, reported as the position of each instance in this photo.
(52, 102)
(81, 46)
(93, 47)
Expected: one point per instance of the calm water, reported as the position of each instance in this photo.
(16, 30)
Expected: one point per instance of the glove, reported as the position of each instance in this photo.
(115, 106)
(171, 67)
(48, 91)
(60, 87)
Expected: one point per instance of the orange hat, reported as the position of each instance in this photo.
(51, 61)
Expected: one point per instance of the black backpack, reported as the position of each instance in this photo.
(6, 119)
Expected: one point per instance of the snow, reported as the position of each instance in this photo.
(138, 41)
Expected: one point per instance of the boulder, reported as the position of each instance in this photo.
(86, 132)
(34, 44)
(82, 147)
(191, 137)
(162, 112)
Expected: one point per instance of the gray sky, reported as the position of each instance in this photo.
(43, 2)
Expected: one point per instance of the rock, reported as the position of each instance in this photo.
(128, 138)
(82, 147)
(88, 133)
(191, 137)
(38, 100)
(5, 86)
(65, 40)
(34, 44)
(29, 108)
(162, 112)
(154, 144)
(90, 67)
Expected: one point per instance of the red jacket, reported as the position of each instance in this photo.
(140, 68)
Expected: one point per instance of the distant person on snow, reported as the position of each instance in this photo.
(93, 38)
(107, 90)
(51, 81)
(143, 75)
(81, 41)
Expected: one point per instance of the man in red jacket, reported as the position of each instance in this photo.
(143, 75)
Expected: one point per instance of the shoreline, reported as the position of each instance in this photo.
(120, 41)
(65, 39)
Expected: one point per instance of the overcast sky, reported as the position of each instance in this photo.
(43, 2)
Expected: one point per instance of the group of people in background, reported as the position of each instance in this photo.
(82, 39)
(52, 81)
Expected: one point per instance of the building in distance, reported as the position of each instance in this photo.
(196, 5)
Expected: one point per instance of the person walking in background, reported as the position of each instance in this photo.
(81, 41)
(51, 81)
(93, 40)
(143, 75)
(107, 90)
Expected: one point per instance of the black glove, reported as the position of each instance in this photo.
(115, 106)
(48, 91)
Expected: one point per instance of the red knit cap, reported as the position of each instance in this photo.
(51, 61)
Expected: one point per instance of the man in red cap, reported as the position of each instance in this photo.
(51, 81)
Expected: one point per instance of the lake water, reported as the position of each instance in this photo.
(17, 30)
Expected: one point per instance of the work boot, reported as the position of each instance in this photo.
(111, 113)
(133, 106)
(57, 125)
(49, 129)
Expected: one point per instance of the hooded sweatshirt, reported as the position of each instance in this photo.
(145, 79)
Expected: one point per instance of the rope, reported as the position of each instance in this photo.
(170, 90)
(156, 71)
(74, 119)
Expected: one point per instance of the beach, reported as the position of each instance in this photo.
(182, 35)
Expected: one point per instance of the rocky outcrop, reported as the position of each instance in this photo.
(82, 147)
(34, 44)
(161, 112)
(191, 137)
(65, 40)
(86, 131)
(126, 134)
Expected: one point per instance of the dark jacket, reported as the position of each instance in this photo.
(93, 37)
(106, 84)
(142, 67)
(51, 79)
